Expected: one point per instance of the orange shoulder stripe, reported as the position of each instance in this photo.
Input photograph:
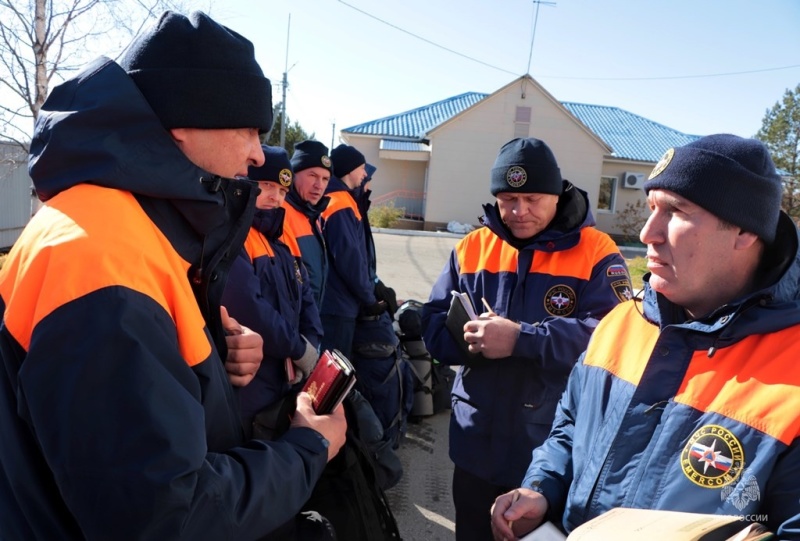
(577, 262)
(482, 250)
(69, 250)
(256, 245)
(622, 342)
(296, 222)
(756, 382)
(294, 225)
(340, 201)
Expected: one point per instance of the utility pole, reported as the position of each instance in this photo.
(333, 132)
(285, 83)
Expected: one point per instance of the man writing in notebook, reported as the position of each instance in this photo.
(548, 276)
(687, 400)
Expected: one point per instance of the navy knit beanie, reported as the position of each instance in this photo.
(346, 159)
(276, 167)
(310, 153)
(526, 166)
(729, 176)
(196, 73)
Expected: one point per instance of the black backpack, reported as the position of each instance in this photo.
(349, 495)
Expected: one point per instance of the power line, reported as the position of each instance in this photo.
(671, 76)
(426, 40)
(662, 78)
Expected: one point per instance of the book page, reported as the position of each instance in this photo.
(547, 531)
(624, 524)
(466, 303)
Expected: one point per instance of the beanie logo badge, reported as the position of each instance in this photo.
(326, 161)
(285, 177)
(559, 300)
(662, 163)
(516, 176)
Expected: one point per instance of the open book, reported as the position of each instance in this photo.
(622, 524)
(330, 381)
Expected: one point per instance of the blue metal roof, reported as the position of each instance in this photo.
(418, 122)
(404, 146)
(630, 136)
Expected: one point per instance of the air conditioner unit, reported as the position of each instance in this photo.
(633, 181)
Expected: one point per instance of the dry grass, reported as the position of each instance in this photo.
(637, 267)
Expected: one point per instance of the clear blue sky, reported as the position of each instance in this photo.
(353, 61)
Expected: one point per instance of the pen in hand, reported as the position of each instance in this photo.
(486, 305)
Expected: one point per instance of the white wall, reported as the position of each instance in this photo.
(465, 149)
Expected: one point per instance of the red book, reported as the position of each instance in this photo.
(330, 381)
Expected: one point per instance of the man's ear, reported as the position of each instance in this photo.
(178, 134)
(745, 240)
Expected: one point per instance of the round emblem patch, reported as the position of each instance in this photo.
(326, 161)
(559, 300)
(662, 163)
(713, 457)
(285, 177)
(516, 176)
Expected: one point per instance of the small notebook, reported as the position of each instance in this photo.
(461, 311)
(330, 381)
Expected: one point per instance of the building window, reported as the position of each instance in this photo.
(522, 122)
(607, 198)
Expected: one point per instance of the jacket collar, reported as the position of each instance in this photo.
(310, 211)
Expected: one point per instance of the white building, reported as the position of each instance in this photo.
(434, 161)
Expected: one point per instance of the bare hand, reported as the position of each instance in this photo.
(332, 426)
(512, 519)
(245, 351)
(492, 335)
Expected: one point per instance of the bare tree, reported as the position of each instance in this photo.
(42, 40)
(631, 220)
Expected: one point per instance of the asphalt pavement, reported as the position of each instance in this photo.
(422, 503)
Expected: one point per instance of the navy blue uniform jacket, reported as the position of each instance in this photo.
(302, 233)
(557, 285)
(701, 415)
(349, 284)
(269, 292)
(116, 414)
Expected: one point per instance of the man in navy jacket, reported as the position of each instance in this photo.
(350, 291)
(268, 291)
(548, 277)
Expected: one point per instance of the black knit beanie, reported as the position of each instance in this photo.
(527, 166)
(310, 153)
(729, 176)
(346, 159)
(276, 167)
(196, 73)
